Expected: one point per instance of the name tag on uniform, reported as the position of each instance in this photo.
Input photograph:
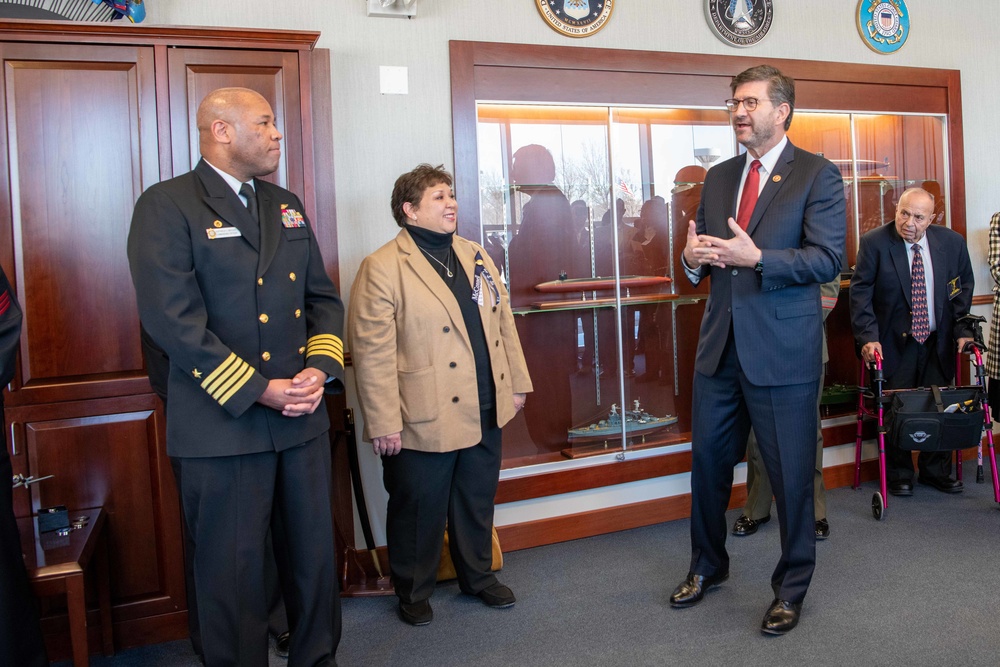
(223, 233)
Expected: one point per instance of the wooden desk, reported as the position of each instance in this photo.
(56, 566)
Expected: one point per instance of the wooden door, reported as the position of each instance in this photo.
(78, 158)
(274, 74)
(78, 138)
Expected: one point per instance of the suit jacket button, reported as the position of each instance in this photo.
(452, 365)
(263, 318)
(501, 376)
(298, 313)
(497, 344)
(301, 350)
(291, 276)
(736, 272)
(494, 309)
(266, 356)
(446, 329)
(260, 281)
(454, 399)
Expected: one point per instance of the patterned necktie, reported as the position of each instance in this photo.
(918, 291)
(251, 196)
(749, 199)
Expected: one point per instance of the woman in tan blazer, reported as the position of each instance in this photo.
(439, 370)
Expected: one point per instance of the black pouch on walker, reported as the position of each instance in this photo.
(937, 419)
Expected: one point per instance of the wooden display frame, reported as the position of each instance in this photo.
(521, 73)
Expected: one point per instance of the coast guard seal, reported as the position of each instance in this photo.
(884, 24)
(739, 22)
(576, 18)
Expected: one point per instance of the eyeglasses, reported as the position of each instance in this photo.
(749, 103)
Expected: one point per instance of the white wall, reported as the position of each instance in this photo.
(378, 137)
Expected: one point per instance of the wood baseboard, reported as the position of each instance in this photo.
(624, 517)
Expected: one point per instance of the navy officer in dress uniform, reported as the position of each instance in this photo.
(230, 283)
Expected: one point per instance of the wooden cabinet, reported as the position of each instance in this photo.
(92, 115)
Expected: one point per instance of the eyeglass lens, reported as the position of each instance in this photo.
(749, 103)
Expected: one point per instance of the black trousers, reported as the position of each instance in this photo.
(428, 489)
(919, 366)
(277, 617)
(229, 503)
(20, 635)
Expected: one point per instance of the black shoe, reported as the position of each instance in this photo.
(746, 526)
(497, 596)
(416, 613)
(693, 588)
(943, 484)
(822, 529)
(781, 617)
(281, 645)
(901, 488)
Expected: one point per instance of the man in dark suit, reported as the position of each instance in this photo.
(915, 336)
(231, 284)
(20, 635)
(770, 229)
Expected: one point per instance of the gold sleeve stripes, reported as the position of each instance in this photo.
(326, 345)
(227, 379)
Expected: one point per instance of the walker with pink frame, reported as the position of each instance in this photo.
(871, 389)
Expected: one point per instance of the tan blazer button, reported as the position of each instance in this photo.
(446, 329)
(452, 365)
(454, 399)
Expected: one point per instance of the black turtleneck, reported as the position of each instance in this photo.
(439, 246)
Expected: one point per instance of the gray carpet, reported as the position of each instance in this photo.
(918, 588)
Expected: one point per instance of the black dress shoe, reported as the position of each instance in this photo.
(822, 529)
(746, 526)
(281, 644)
(497, 596)
(416, 613)
(693, 588)
(943, 484)
(901, 488)
(781, 617)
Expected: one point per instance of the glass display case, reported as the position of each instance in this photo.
(585, 209)
(579, 169)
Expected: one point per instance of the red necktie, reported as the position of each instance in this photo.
(918, 292)
(751, 189)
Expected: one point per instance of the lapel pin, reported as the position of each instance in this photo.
(217, 223)
(776, 178)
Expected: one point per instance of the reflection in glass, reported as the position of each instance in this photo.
(605, 195)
